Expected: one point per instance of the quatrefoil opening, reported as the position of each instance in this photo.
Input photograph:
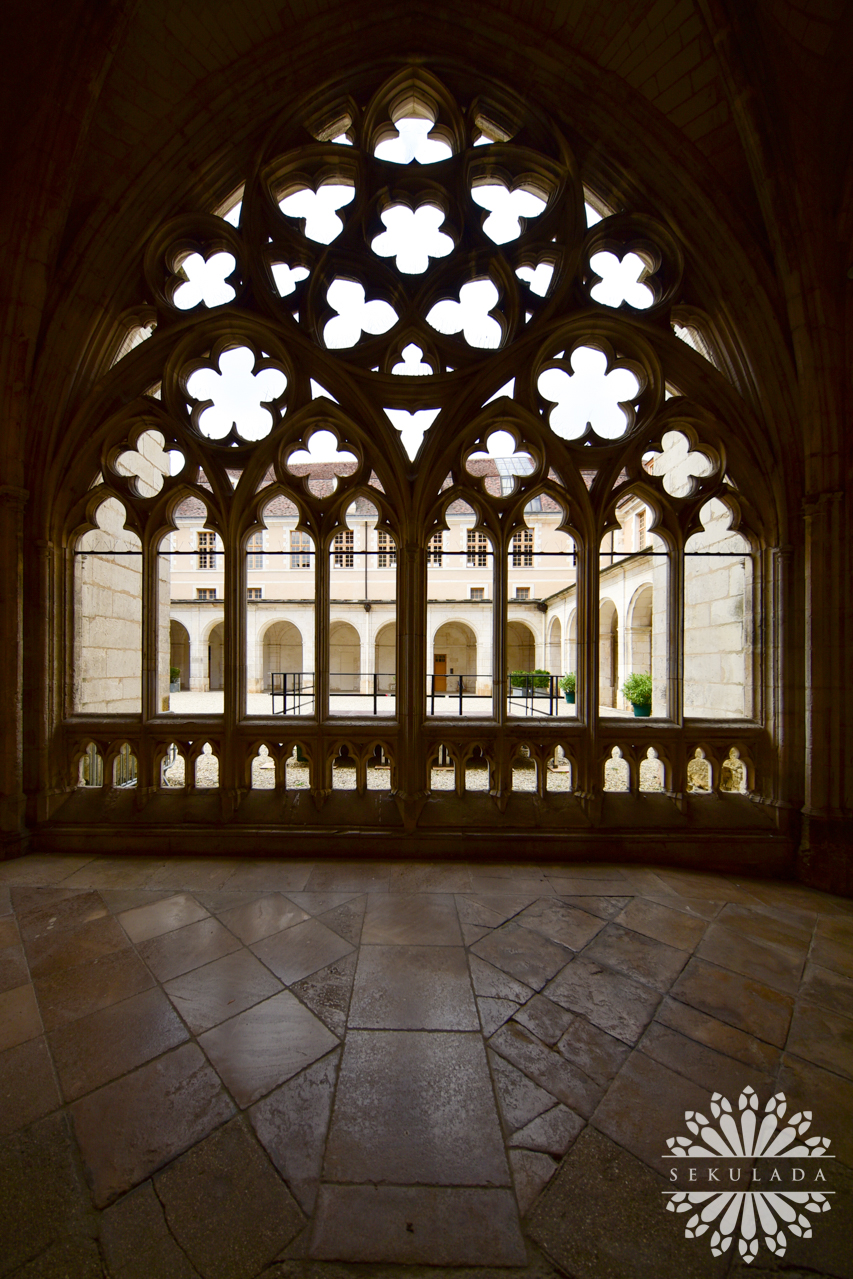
(620, 281)
(206, 281)
(238, 396)
(148, 464)
(589, 397)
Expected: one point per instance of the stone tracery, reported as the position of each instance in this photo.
(483, 299)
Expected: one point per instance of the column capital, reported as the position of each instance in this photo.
(11, 495)
(817, 503)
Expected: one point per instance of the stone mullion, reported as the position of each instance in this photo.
(500, 577)
(150, 665)
(411, 673)
(586, 698)
(675, 564)
(234, 662)
(322, 586)
(150, 626)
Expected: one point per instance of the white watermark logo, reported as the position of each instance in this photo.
(771, 1155)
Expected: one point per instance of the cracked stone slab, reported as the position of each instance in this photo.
(602, 1215)
(519, 1098)
(552, 1133)
(405, 1107)
(429, 1225)
(547, 1068)
(412, 988)
(228, 1180)
(489, 982)
(531, 1172)
(327, 992)
(523, 954)
(292, 1124)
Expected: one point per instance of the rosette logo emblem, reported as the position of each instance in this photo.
(751, 1176)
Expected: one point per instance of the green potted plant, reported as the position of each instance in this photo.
(568, 683)
(530, 680)
(174, 679)
(638, 690)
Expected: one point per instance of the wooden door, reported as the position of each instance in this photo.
(440, 672)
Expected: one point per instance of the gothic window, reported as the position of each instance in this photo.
(300, 549)
(343, 549)
(409, 329)
(522, 549)
(255, 551)
(434, 549)
(206, 550)
(478, 549)
(386, 556)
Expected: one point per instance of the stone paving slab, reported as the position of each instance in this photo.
(304, 1070)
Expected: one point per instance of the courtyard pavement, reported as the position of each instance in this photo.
(214, 1068)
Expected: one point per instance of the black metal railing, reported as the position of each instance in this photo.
(455, 687)
(296, 689)
(538, 694)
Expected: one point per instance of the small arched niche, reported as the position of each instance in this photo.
(477, 771)
(172, 768)
(617, 775)
(442, 776)
(90, 768)
(558, 771)
(263, 769)
(651, 773)
(125, 767)
(524, 770)
(344, 770)
(379, 770)
(206, 768)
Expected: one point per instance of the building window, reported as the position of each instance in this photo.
(478, 549)
(343, 549)
(300, 549)
(386, 556)
(641, 530)
(434, 549)
(205, 593)
(254, 593)
(255, 552)
(206, 550)
(522, 549)
(522, 592)
(477, 593)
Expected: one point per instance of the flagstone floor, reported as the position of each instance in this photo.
(221, 1069)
